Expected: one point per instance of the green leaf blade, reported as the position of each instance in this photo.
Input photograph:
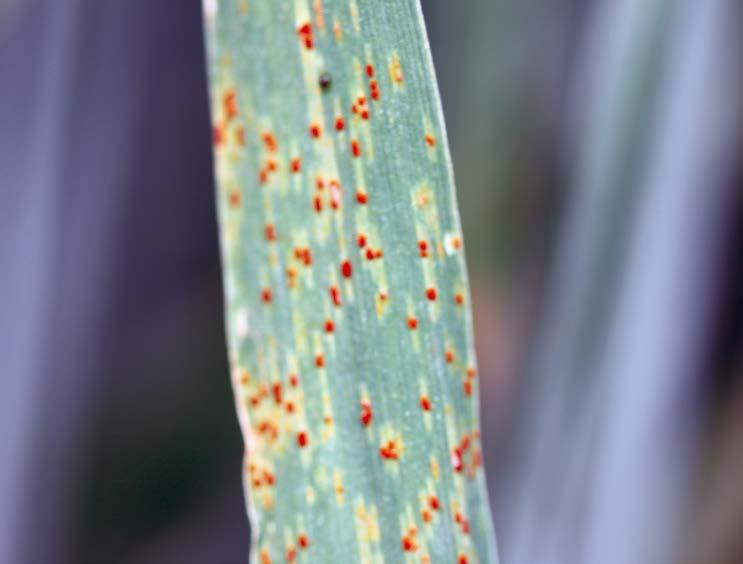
(347, 298)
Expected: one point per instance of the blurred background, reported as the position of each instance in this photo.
(598, 148)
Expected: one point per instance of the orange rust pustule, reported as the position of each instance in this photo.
(229, 101)
(302, 439)
(304, 255)
(303, 541)
(335, 295)
(467, 388)
(423, 248)
(374, 90)
(217, 135)
(373, 254)
(410, 540)
(276, 389)
(305, 34)
(269, 141)
(346, 269)
(389, 451)
(355, 148)
(366, 413)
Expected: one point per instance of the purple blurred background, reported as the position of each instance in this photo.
(597, 147)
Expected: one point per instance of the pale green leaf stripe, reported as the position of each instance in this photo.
(352, 361)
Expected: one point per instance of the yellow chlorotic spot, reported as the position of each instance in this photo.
(395, 69)
(338, 485)
(434, 468)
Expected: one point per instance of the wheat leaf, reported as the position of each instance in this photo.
(348, 314)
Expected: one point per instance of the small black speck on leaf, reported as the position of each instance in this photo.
(325, 81)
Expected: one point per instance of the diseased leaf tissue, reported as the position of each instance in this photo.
(347, 299)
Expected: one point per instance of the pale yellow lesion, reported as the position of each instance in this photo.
(267, 500)
(367, 530)
(242, 380)
(310, 495)
(327, 432)
(302, 344)
(301, 13)
(319, 15)
(353, 9)
(382, 297)
(338, 486)
(369, 54)
(268, 210)
(433, 464)
(452, 242)
(273, 258)
(364, 396)
(394, 68)
(424, 201)
(367, 144)
(320, 476)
